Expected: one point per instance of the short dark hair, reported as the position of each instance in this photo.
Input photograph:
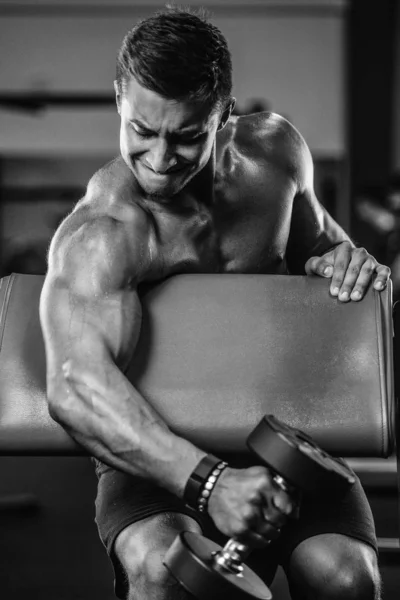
(178, 54)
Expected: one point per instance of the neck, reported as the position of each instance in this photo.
(201, 187)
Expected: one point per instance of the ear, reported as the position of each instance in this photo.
(226, 113)
(117, 97)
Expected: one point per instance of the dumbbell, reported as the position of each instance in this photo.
(298, 466)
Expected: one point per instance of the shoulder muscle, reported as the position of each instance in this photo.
(275, 139)
(98, 253)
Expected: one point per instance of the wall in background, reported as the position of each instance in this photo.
(288, 53)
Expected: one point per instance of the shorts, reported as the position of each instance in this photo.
(123, 499)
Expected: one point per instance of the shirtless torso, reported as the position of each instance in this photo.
(250, 209)
(259, 215)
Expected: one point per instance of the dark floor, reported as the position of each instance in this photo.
(53, 552)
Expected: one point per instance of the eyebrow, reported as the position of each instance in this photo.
(194, 129)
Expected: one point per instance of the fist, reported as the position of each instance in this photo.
(248, 505)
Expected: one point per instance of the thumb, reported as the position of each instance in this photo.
(320, 265)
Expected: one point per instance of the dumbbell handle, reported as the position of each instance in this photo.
(234, 553)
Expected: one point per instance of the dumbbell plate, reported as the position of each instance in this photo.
(294, 456)
(190, 560)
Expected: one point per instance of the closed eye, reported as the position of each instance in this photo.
(177, 139)
(143, 134)
(140, 131)
(191, 140)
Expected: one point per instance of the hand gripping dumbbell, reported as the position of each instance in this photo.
(299, 466)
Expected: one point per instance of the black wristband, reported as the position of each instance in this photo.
(197, 478)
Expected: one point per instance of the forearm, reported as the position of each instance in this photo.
(331, 236)
(313, 232)
(333, 246)
(104, 413)
(324, 243)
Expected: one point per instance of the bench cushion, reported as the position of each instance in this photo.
(216, 353)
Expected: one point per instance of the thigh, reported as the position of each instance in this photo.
(347, 515)
(123, 499)
(138, 554)
(127, 509)
(334, 566)
(140, 548)
(131, 511)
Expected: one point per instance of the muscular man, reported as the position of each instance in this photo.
(195, 190)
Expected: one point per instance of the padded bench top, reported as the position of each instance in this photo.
(216, 353)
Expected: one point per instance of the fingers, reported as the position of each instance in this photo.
(258, 526)
(342, 258)
(271, 518)
(275, 509)
(283, 503)
(320, 265)
(268, 530)
(265, 512)
(351, 269)
(258, 507)
(358, 276)
(382, 276)
(272, 497)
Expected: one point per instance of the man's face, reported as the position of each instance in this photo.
(164, 142)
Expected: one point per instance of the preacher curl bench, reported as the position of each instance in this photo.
(218, 352)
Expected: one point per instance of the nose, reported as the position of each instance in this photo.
(160, 157)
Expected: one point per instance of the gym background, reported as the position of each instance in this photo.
(329, 66)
